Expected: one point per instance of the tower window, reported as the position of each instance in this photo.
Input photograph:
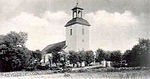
(82, 31)
(70, 31)
(83, 40)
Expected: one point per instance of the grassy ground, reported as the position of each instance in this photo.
(90, 74)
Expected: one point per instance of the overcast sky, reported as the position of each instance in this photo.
(115, 24)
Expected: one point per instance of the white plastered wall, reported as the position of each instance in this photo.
(77, 41)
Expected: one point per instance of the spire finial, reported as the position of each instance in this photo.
(77, 3)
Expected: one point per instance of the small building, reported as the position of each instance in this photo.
(105, 63)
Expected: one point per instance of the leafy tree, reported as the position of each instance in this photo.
(14, 39)
(100, 55)
(125, 56)
(107, 55)
(115, 56)
(13, 53)
(139, 55)
(73, 58)
(63, 60)
(89, 57)
(15, 59)
(81, 57)
(55, 57)
(34, 60)
(37, 55)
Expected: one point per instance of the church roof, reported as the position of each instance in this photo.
(77, 8)
(77, 20)
(56, 47)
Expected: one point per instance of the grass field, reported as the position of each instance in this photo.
(136, 74)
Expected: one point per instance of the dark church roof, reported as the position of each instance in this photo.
(77, 8)
(56, 47)
(77, 20)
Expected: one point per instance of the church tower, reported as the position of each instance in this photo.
(77, 31)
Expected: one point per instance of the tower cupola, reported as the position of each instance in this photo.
(77, 12)
(77, 17)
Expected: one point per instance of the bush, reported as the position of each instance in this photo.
(43, 67)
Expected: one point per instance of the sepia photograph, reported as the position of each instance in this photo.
(74, 39)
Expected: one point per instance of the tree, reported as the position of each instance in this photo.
(81, 57)
(15, 59)
(13, 52)
(108, 55)
(125, 56)
(139, 55)
(100, 55)
(144, 53)
(55, 57)
(14, 39)
(115, 56)
(73, 58)
(37, 55)
(34, 61)
(89, 57)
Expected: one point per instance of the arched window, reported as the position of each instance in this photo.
(80, 14)
(70, 31)
(75, 14)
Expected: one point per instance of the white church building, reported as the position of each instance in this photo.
(77, 32)
(77, 36)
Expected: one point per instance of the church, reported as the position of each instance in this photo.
(77, 35)
(77, 31)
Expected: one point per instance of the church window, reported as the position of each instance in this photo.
(70, 31)
(82, 31)
(83, 40)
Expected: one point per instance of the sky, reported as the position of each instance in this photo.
(115, 24)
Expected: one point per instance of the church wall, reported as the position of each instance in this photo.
(71, 39)
(82, 38)
(77, 41)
